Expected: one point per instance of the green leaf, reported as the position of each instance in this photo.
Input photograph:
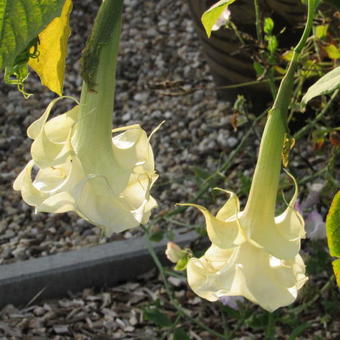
(325, 85)
(156, 236)
(332, 51)
(298, 330)
(210, 16)
(336, 268)
(179, 334)
(321, 31)
(157, 317)
(333, 234)
(182, 263)
(272, 43)
(259, 69)
(268, 25)
(333, 226)
(20, 22)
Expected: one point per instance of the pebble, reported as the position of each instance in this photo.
(232, 141)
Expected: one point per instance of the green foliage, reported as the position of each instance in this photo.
(20, 22)
(333, 226)
(325, 85)
(156, 316)
(156, 235)
(210, 16)
(333, 234)
(298, 330)
(268, 26)
(179, 334)
(182, 263)
(321, 31)
(336, 268)
(272, 43)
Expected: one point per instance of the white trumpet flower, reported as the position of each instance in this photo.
(114, 193)
(104, 175)
(253, 253)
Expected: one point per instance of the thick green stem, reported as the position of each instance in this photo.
(263, 191)
(258, 22)
(94, 128)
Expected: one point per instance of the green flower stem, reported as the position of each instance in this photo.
(172, 300)
(263, 191)
(258, 22)
(94, 130)
(304, 130)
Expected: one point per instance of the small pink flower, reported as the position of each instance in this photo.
(315, 226)
(232, 301)
(222, 20)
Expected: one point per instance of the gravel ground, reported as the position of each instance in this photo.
(126, 312)
(158, 50)
(159, 54)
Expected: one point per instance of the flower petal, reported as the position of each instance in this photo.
(132, 148)
(231, 208)
(267, 236)
(35, 128)
(53, 143)
(290, 223)
(223, 234)
(247, 271)
(30, 194)
(271, 286)
(58, 203)
(205, 278)
(106, 211)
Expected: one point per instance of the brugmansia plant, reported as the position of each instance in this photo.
(254, 253)
(81, 167)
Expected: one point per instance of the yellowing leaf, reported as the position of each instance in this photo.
(333, 226)
(336, 268)
(332, 51)
(288, 55)
(321, 31)
(333, 234)
(50, 65)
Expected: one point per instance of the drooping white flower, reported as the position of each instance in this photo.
(113, 193)
(253, 253)
(83, 165)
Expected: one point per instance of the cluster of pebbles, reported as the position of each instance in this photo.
(159, 54)
(160, 63)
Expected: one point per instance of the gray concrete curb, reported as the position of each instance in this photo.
(55, 275)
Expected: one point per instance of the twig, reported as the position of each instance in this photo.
(258, 22)
(312, 123)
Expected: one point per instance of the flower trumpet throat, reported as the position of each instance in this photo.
(104, 175)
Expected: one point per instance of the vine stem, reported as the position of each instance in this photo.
(173, 301)
(258, 22)
(312, 123)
